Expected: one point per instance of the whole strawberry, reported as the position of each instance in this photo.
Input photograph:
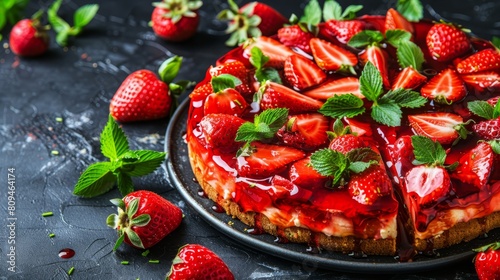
(197, 262)
(144, 218)
(143, 96)
(447, 41)
(487, 262)
(251, 20)
(176, 20)
(29, 38)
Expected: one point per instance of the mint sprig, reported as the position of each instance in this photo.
(123, 164)
(410, 54)
(339, 167)
(333, 10)
(412, 10)
(264, 126)
(429, 153)
(385, 108)
(11, 11)
(258, 59)
(81, 18)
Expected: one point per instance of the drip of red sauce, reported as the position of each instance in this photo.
(66, 253)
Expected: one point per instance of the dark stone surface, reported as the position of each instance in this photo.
(76, 84)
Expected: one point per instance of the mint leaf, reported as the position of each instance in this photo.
(58, 24)
(332, 10)
(113, 141)
(345, 105)
(224, 81)
(147, 162)
(387, 112)
(124, 183)
(264, 126)
(412, 10)
(496, 110)
(359, 166)
(370, 82)
(268, 74)
(329, 163)
(481, 108)
(495, 146)
(427, 151)
(95, 180)
(350, 12)
(410, 54)
(405, 98)
(169, 69)
(365, 38)
(257, 58)
(85, 14)
(363, 154)
(395, 36)
(496, 42)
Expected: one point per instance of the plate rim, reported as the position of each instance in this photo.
(253, 242)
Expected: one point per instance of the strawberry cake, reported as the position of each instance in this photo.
(365, 134)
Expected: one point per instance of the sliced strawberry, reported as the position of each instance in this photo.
(228, 101)
(330, 57)
(488, 129)
(276, 51)
(278, 96)
(343, 30)
(445, 87)
(346, 143)
(267, 160)
(237, 69)
(378, 57)
(302, 73)
(359, 128)
(438, 126)
(474, 167)
(304, 175)
(305, 131)
(488, 80)
(294, 36)
(220, 130)
(336, 87)
(395, 20)
(285, 189)
(485, 60)
(408, 78)
(428, 185)
(368, 186)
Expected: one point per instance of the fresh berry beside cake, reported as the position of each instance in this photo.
(353, 134)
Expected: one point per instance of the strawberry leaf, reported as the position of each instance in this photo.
(169, 69)
(345, 105)
(330, 163)
(264, 126)
(113, 140)
(412, 10)
(410, 54)
(387, 112)
(332, 10)
(124, 183)
(134, 238)
(365, 38)
(427, 151)
(141, 220)
(370, 82)
(224, 81)
(312, 14)
(405, 98)
(482, 109)
(97, 179)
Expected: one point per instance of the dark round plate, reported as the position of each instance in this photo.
(182, 177)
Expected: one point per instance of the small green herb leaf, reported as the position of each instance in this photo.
(329, 163)
(224, 81)
(312, 13)
(264, 126)
(58, 24)
(345, 105)
(427, 151)
(387, 112)
(481, 108)
(365, 38)
(363, 155)
(495, 146)
(95, 180)
(412, 10)
(259, 60)
(85, 14)
(359, 166)
(371, 82)
(148, 161)
(124, 183)
(350, 11)
(496, 42)
(410, 54)
(169, 69)
(113, 140)
(405, 98)
(332, 10)
(395, 36)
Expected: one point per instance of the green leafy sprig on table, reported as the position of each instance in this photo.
(385, 108)
(11, 11)
(81, 18)
(123, 164)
